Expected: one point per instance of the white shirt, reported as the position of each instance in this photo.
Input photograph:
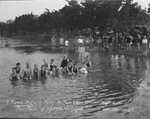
(80, 40)
(81, 49)
(83, 70)
(66, 43)
(144, 40)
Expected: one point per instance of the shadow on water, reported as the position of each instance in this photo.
(33, 49)
(43, 80)
(26, 49)
(115, 84)
(14, 82)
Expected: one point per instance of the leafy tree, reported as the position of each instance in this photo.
(26, 23)
(72, 16)
(2, 28)
(45, 21)
(57, 20)
(81, 14)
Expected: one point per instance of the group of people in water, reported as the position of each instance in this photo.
(66, 67)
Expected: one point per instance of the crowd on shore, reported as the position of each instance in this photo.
(110, 41)
(123, 42)
(107, 42)
(50, 69)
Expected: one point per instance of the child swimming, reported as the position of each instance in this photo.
(18, 68)
(83, 69)
(35, 71)
(14, 75)
(70, 67)
(81, 50)
(75, 68)
(64, 64)
(88, 62)
(51, 66)
(55, 71)
(45, 64)
(43, 71)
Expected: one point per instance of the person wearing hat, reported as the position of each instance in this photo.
(66, 45)
(145, 41)
(80, 40)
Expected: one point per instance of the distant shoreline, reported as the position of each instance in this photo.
(41, 42)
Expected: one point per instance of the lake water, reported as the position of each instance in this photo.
(112, 83)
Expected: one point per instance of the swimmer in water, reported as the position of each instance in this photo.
(70, 67)
(18, 68)
(35, 71)
(88, 62)
(43, 72)
(64, 64)
(55, 71)
(14, 75)
(81, 51)
(75, 68)
(52, 66)
(27, 72)
(45, 64)
(83, 69)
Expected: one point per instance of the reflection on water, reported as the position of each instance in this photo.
(112, 86)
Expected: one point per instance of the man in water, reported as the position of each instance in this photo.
(18, 69)
(14, 76)
(27, 72)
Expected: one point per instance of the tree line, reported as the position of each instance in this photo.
(101, 15)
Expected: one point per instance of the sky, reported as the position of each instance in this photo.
(9, 9)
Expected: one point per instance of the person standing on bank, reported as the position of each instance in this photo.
(80, 40)
(99, 42)
(81, 50)
(138, 40)
(120, 42)
(61, 43)
(110, 42)
(145, 41)
(128, 40)
(66, 45)
(53, 42)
